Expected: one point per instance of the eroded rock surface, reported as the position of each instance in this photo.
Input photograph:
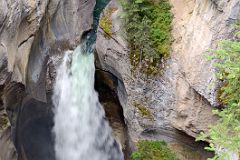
(31, 30)
(183, 95)
(33, 33)
(197, 26)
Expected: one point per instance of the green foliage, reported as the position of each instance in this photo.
(224, 137)
(3, 121)
(145, 112)
(153, 150)
(148, 30)
(106, 22)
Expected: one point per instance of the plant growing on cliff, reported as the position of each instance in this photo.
(145, 112)
(106, 22)
(152, 150)
(3, 121)
(224, 137)
(148, 30)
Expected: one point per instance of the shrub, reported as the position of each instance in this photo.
(153, 150)
(224, 137)
(148, 31)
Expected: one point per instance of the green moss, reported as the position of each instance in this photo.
(152, 150)
(3, 122)
(106, 22)
(145, 112)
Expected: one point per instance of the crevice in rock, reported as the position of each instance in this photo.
(20, 44)
(201, 95)
(106, 85)
(2, 25)
(219, 8)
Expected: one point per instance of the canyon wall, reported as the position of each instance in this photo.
(33, 37)
(35, 33)
(197, 27)
(182, 96)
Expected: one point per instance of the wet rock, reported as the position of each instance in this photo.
(32, 30)
(32, 34)
(34, 139)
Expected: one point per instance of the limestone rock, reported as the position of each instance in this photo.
(183, 96)
(32, 34)
(136, 92)
(7, 148)
(197, 26)
(31, 30)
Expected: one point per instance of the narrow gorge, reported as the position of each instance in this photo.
(74, 86)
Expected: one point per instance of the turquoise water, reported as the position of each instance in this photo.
(89, 38)
(81, 131)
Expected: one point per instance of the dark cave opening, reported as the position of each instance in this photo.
(106, 85)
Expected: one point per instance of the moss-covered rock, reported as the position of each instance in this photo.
(106, 22)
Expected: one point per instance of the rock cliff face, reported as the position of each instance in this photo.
(197, 26)
(183, 96)
(32, 30)
(33, 35)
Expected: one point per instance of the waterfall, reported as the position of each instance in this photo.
(81, 130)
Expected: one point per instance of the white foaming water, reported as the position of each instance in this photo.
(81, 131)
